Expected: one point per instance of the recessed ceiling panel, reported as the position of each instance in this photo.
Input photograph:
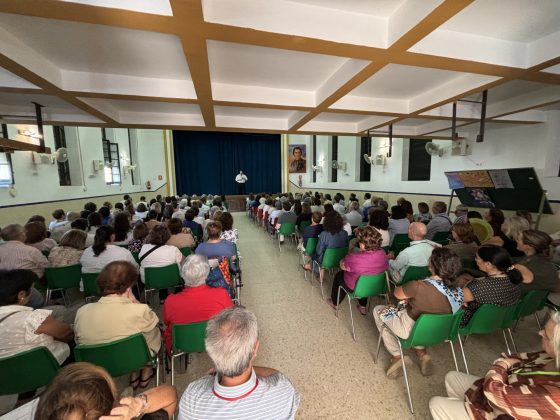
(340, 117)
(381, 8)
(100, 49)
(235, 111)
(158, 7)
(8, 79)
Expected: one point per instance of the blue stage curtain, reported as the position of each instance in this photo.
(207, 162)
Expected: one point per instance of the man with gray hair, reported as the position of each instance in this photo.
(354, 216)
(14, 254)
(440, 222)
(461, 212)
(237, 390)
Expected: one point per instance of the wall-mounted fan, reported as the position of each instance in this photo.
(60, 155)
(434, 150)
(369, 159)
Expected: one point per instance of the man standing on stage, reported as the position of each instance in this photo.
(241, 179)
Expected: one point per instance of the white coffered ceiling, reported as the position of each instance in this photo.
(289, 66)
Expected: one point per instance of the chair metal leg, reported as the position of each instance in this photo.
(351, 317)
(157, 369)
(512, 340)
(321, 278)
(538, 321)
(406, 378)
(454, 356)
(463, 353)
(378, 345)
(507, 343)
(172, 369)
(338, 300)
(48, 297)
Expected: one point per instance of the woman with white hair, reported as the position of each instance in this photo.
(521, 386)
(197, 302)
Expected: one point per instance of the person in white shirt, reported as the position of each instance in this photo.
(241, 179)
(102, 252)
(155, 252)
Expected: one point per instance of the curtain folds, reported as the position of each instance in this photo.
(207, 162)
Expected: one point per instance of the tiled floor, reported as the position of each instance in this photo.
(301, 336)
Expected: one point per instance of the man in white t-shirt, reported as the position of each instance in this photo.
(241, 179)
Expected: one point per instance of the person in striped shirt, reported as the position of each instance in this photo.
(522, 386)
(237, 389)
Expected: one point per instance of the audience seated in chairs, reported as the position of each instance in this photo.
(123, 231)
(103, 251)
(70, 249)
(508, 234)
(229, 233)
(197, 302)
(354, 217)
(398, 223)
(59, 225)
(416, 255)
(465, 242)
(139, 233)
(14, 254)
(36, 236)
(332, 236)
(423, 214)
(536, 247)
(305, 215)
(371, 259)
(285, 216)
(438, 294)
(440, 221)
(155, 252)
(85, 391)
(500, 287)
(311, 231)
(215, 247)
(461, 214)
(232, 344)
(180, 237)
(118, 315)
(521, 386)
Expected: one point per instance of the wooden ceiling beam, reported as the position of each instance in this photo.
(15, 145)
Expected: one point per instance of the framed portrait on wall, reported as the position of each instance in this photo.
(297, 163)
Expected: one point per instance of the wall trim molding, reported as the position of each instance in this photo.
(82, 198)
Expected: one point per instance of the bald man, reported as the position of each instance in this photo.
(417, 254)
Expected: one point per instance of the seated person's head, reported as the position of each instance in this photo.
(226, 219)
(407, 206)
(551, 338)
(439, 207)
(214, 230)
(175, 226)
(514, 225)
(445, 264)
(105, 212)
(119, 206)
(526, 214)
(423, 208)
(90, 206)
(533, 241)
(383, 205)
(195, 270)
(35, 232)
(232, 341)
(80, 224)
(58, 214)
(140, 231)
(190, 215)
(152, 215)
(15, 286)
(159, 235)
(37, 218)
(79, 391)
(328, 208)
(103, 236)
(417, 231)
(116, 278)
(494, 260)
(316, 217)
(332, 222)
(74, 238)
(495, 217)
(286, 205)
(94, 219)
(461, 210)
(369, 238)
(378, 218)
(464, 232)
(13, 232)
(397, 213)
(72, 215)
(473, 214)
(354, 206)
(141, 208)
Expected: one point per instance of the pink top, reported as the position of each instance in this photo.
(363, 262)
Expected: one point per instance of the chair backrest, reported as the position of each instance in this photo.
(386, 249)
(487, 318)
(186, 251)
(415, 273)
(162, 277)
(369, 285)
(90, 284)
(26, 371)
(532, 302)
(311, 246)
(64, 277)
(117, 357)
(430, 329)
(332, 257)
(400, 242)
(287, 228)
(441, 238)
(189, 338)
(469, 264)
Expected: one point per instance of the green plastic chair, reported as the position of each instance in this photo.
(157, 278)
(400, 242)
(487, 319)
(91, 289)
(187, 338)
(331, 260)
(415, 273)
(386, 249)
(186, 251)
(309, 250)
(469, 264)
(304, 224)
(289, 231)
(62, 278)
(119, 357)
(428, 330)
(27, 371)
(367, 285)
(441, 238)
(532, 302)
(136, 257)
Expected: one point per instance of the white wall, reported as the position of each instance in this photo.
(40, 183)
